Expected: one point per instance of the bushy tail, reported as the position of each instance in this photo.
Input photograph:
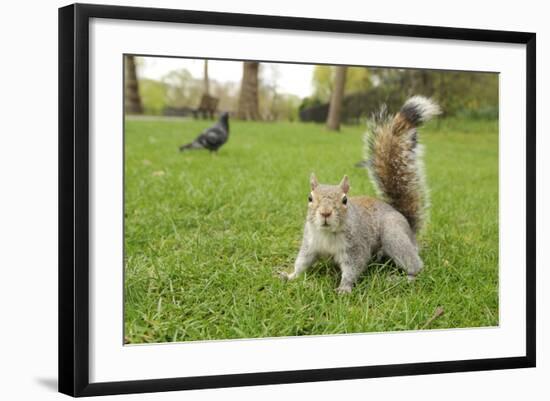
(395, 158)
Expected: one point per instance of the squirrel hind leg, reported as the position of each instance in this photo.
(402, 249)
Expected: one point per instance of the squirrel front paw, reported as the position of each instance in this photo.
(344, 289)
(285, 276)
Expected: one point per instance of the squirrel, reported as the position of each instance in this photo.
(354, 229)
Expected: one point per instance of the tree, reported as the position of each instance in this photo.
(248, 98)
(153, 96)
(335, 108)
(132, 100)
(206, 81)
(463, 93)
(357, 80)
(322, 82)
(182, 90)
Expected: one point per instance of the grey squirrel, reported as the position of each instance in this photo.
(354, 229)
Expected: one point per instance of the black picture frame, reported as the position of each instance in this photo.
(74, 194)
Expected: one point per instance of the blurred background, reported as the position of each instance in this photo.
(331, 95)
(206, 232)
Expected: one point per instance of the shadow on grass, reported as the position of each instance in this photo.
(385, 267)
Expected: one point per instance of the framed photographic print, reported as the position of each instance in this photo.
(251, 199)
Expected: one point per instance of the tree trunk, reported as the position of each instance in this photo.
(335, 107)
(248, 99)
(132, 100)
(206, 81)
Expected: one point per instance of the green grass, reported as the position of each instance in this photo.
(204, 234)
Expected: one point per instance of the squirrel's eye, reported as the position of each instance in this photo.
(310, 198)
(345, 200)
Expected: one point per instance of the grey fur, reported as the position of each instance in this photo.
(353, 231)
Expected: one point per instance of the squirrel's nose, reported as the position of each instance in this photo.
(326, 213)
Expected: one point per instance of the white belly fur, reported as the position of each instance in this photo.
(327, 243)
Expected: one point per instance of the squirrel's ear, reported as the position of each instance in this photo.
(344, 184)
(313, 181)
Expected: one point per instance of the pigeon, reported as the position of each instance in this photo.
(211, 138)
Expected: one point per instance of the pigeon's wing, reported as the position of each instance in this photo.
(214, 137)
(200, 136)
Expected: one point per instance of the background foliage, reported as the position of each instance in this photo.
(467, 94)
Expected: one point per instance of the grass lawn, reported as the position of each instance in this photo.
(204, 234)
